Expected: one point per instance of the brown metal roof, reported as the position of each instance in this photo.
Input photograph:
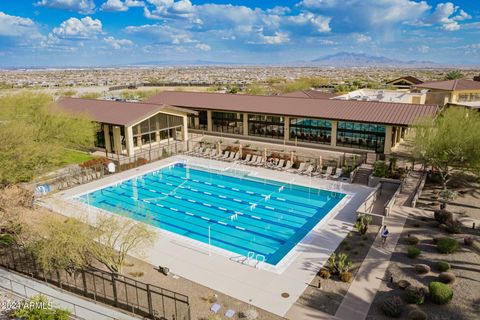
(112, 112)
(451, 85)
(309, 94)
(410, 79)
(349, 110)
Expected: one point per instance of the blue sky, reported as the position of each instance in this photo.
(106, 32)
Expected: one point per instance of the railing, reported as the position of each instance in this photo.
(418, 190)
(139, 298)
(75, 309)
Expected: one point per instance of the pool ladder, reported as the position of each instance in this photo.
(260, 258)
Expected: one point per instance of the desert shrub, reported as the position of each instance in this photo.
(6, 240)
(447, 277)
(454, 226)
(412, 240)
(443, 266)
(422, 268)
(447, 245)
(435, 240)
(346, 276)
(442, 216)
(44, 312)
(94, 162)
(440, 293)
(392, 307)
(468, 241)
(414, 294)
(417, 314)
(362, 223)
(325, 273)
(339, 263)
(413, 252)
(403, 284)
(250, 314)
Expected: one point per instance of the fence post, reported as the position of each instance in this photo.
(58, 277)
(149, 299)
(84, 281)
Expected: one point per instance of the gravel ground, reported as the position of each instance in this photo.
(330, 296)
(465, 265)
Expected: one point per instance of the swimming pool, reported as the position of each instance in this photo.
(229, 209)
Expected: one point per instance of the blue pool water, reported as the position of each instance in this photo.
(245, 214)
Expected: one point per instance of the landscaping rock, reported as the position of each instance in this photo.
(403, 284)
(414, 294)
(392, 306)
(422, 268)
(412, 240)
(447, 277)
(417, 315)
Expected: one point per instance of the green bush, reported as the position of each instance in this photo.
(392, 307)
(413, 252)
(414, 294)
(442, 216)
(6, 240)
(412, 240)
(41, 310)
(417, 315)
(447, 245)
(443, 266)
(440, 293)
(454, 226)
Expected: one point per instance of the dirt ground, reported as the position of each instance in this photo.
(330, 295)
(465, 265)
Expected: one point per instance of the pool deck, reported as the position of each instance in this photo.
(259, 287)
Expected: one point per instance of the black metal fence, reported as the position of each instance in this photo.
(139, 298)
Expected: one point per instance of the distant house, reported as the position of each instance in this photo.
(382, 95)
(456, 92)
(404, 82)
(309, 94)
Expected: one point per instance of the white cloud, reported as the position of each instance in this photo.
(119, 5)
(81, 6)
(13, 26)
(277, 38)
(73, 28)
(203, 47)
(118, 43)
(423, 49)
(361, 38)
(447, 15)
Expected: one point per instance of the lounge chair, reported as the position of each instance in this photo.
(232, 156)
(248, 157)
(230, 313)
(318, 171)
(220, 154)
(212, 154)
(198, 152)
(288, 166)
(206, 153)
(328, 172)
(280, 164)
(338, 173)
(300, 169)
(225, 155)
(196, 149)
(235, 158)
(259, 162)
(309, 171)
(215, 307)
(253, 160)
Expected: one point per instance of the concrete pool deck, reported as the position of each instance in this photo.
(259, 287)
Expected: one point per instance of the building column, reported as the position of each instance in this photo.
(117, 140)
(129, 141)
(209, 121)
(333, 142)
(286, 129)
(185, 129)
(106, 134)
(245, 124)
(388, 140)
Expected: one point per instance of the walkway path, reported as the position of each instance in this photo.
(362, 291)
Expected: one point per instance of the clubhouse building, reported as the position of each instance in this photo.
(303, 120)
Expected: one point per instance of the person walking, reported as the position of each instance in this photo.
(384, 234)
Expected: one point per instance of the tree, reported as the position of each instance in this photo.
(116, 238)
(14, 202)
(454, 75)
(65, 245)
(34, 134)
(449, 143)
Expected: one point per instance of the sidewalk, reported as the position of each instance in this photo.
(362, 291)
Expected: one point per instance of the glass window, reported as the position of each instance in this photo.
(198, 122)
(266, 126)
(361, 136)
(310, 130)
(227, 122)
